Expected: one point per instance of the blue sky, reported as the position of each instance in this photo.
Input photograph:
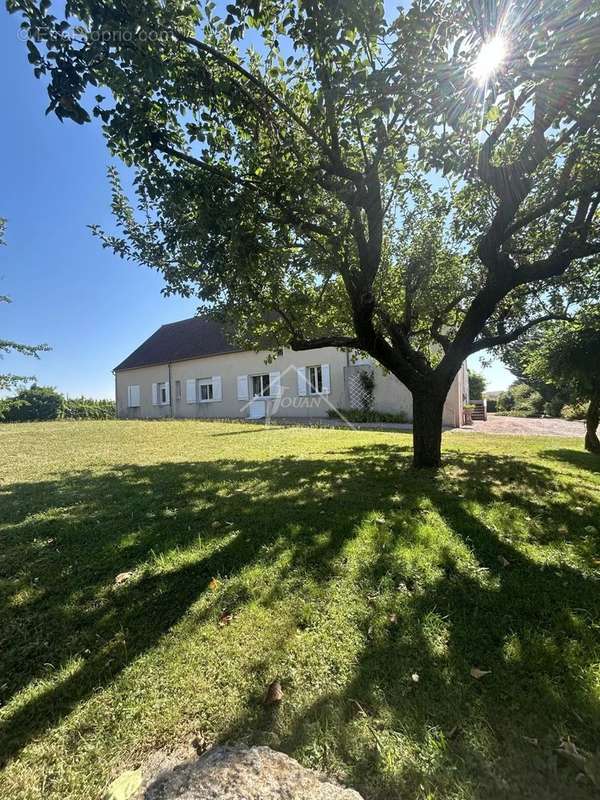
(89, 306)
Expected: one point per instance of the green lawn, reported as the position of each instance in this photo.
(346, 573)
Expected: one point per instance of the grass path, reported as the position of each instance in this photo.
(348, 576)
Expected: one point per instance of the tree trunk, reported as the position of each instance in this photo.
(427, 430)
(592, 419)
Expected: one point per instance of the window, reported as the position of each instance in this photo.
(315, 379)
(163, 395)
(205, 390)
(261, 385)
(133, 396)
(177, 390)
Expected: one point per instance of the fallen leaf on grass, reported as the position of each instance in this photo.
(415, 677)
(533, 741)
(122, 577)
(479, 673)
(380, 521)
(225, 618)
(213, 584)
(274, 694)
(393, 618)
(125, 786)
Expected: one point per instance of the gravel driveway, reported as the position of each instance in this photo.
(527, 427)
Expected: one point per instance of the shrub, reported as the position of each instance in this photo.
(34, 403)
(43, 402)
(87, 408)
(367, 382)
(574, 411)
(363, 415)
(520, 400)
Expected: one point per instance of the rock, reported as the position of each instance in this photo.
(241, 773)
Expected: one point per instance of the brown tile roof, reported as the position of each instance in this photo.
(177, 341)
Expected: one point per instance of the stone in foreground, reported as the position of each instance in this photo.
(240, 773)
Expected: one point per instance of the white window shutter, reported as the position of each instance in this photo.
(242, 387)
(217, 387)
(190, 390)
(325, 379)
(167, 392)
(133, 396)
(275, 384)
(155, 394)
(129, 403)
(301, 380)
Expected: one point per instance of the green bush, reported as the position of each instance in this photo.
(574, 411)
(363, 415)
(520, 400)
(43, 403)
(86, 408)
(34, 403)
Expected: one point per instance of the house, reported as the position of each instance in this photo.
(189, 369)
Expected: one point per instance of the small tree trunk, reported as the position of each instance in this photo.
(592, 419)
(427, 430)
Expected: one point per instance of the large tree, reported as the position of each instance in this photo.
(420, 188)
(9, 380)
(568, 354)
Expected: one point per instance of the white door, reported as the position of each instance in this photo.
(257, 409)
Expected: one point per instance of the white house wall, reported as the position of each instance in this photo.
(390, 394)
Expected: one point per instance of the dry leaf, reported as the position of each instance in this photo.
(274, 694)
(393, 618)
(534, 742)
(122, 577)
(213, 585)
(415, 678)
(225, 618)
(380, 521)
(479, 673)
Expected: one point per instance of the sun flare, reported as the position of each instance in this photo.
(490, 59)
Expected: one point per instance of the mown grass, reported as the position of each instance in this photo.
(346, 573)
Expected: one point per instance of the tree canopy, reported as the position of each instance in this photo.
(477, 384)
(569, 354)
(419, 187)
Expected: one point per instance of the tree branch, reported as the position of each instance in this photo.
(506, 338)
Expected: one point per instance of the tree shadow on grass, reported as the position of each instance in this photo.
(576, 458)
(488, 599)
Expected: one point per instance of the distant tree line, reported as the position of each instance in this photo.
(38, 403)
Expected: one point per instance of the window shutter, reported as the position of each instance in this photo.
(155, 394)
(217, 387)
(325, 378)
(242, 387)
(134, 396)
(190, 391)
(167, 392)
(301, 380)
(275, 384)
(129, 403)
